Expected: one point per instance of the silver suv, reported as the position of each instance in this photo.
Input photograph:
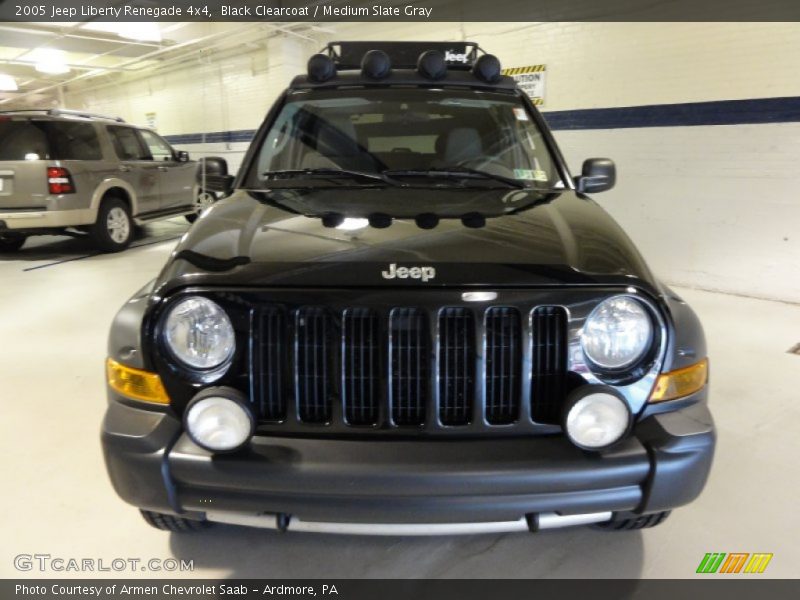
(74, 173)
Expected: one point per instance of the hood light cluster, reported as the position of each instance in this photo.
(338, 221)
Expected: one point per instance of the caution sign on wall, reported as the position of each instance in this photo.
(530, 80)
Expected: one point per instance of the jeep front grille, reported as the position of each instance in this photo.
(408, 368)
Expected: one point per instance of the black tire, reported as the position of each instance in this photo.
(173, 523)
(11, 242)
(116, 237)
(632, 521)
(203, 200)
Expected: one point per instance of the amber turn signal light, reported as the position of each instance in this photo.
(135, 383)
(681, 382)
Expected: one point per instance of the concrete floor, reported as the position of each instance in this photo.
(57, 500)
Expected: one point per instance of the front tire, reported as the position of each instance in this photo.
(113, 230)
(11, 242)
(173, 523)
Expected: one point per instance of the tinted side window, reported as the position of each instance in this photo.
(31, 139)
(159, 149)
(126, 144)
(22, 140)
(73, 141)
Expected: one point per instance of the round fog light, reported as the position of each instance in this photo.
(596, 417)
(219, 420)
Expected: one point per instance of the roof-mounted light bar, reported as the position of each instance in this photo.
(376, 60)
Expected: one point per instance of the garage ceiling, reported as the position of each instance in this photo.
(105, 51)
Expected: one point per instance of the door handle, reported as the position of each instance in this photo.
(163, 169)
(124, 169)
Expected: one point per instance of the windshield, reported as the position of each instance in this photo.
(424, 137)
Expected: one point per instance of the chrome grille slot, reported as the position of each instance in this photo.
(456, 365)
(503, 365)
(409, 365)
(313, 371)
(549, 377)
(269, 348)
(361, 366)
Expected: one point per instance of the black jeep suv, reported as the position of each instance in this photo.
(407, 318)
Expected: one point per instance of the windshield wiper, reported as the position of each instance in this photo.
(456, 173)
(329, 173)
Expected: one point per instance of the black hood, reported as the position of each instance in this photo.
(278, 238)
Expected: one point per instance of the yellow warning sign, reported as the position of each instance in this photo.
(530, 79)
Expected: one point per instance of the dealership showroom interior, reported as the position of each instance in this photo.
(319, 332)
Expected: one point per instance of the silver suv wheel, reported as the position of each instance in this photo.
(118, 225)
(113, 230)
(204, 200)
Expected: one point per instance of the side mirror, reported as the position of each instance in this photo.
(597, 175)
(212, 175)
(182, 155)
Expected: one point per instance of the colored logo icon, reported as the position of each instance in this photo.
(734, 562)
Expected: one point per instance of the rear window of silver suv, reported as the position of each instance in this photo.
(33, 139)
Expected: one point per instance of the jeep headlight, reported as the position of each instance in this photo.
(617, 333)
(199, 334)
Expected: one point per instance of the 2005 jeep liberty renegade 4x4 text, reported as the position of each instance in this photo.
(406, 318)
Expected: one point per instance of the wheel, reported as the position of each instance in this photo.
(11, 242)
(629, 521)
(113, 230)
(202, 201)
(173, 523)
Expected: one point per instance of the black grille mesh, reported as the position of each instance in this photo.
(549, 329)
(503, 368)
(361, 367)
(313, 353)
(456, 365)
(270, 350)
(382, 368)
(409, 361)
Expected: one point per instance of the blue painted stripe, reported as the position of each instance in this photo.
(690, 114)
(212, 137)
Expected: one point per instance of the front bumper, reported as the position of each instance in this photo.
(153, 465)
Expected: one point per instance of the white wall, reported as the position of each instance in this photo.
(714, 207)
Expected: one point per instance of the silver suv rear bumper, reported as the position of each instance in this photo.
(46, 219)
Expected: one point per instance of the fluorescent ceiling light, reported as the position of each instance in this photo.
(7, 83)
(351, 224)
(50, 61)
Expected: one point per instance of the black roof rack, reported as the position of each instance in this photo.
(57, 112)
(404, 55)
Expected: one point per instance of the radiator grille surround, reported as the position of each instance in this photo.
(409, 370)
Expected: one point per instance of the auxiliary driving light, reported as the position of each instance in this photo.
(219, 420)
(595, 417)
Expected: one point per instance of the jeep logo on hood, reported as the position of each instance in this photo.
(395, 272)
(459, 57)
